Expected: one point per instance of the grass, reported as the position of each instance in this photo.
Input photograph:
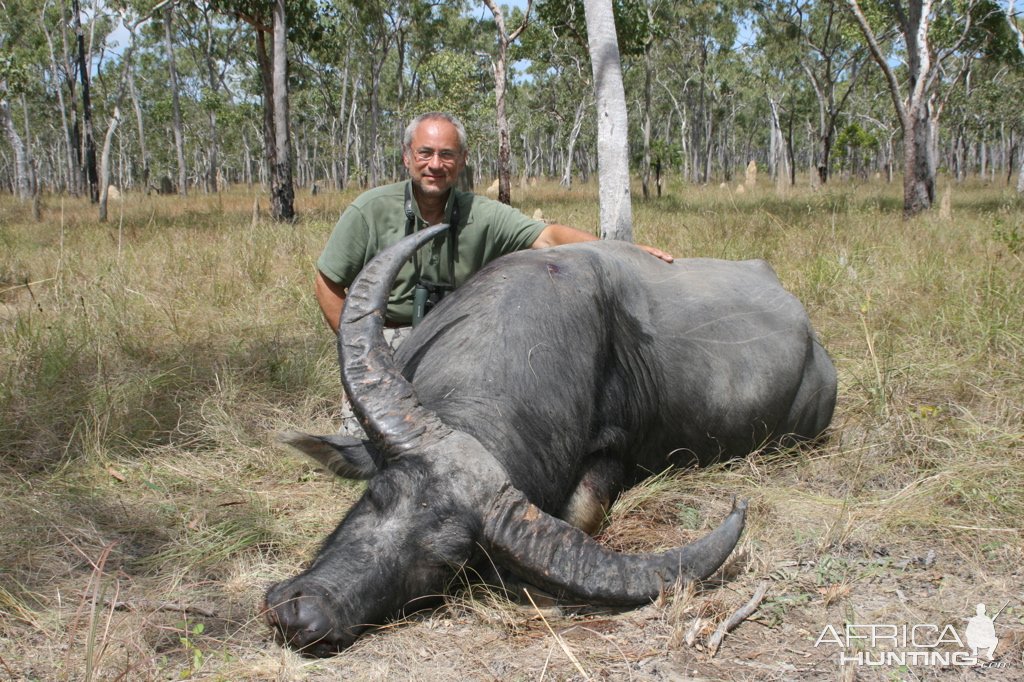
(145, 363)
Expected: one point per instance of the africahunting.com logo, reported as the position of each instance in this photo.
(921, 644)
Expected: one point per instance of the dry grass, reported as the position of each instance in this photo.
(144, 364)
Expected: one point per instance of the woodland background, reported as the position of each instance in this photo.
(179, 96)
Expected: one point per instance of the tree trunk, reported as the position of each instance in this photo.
(913, 110)
(645, 171)
(143, 154)
(574, 134)
(22, 181)
(779, 158)
(282, 194)
(918, 165)
(179, 137)
(115, 119)
(246, 160)
(83, 70)
(375, 121)
(339, 177)
(504, 145)
(1020, 173)
(267, 79)
(349, 126)
(500, 86)
(69, 157)
(612, 124)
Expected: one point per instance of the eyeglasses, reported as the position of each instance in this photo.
(426, 154)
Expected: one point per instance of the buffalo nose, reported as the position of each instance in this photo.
(302, 621)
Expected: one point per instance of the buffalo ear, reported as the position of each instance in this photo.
(343, 456)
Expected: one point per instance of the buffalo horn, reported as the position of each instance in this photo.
(382, 399)
(555, 556)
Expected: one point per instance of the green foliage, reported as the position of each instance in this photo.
(568, 19)
(1011, 236)
(453, 89)
(854, 139)
(303, 17)
(13, 74)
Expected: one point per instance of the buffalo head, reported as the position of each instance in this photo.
(436, 501)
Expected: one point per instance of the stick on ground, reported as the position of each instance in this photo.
(736, 618)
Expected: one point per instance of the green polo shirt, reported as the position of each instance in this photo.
(376, 220)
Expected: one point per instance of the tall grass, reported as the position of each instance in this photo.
(144, 363)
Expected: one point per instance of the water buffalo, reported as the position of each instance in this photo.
(509, 420)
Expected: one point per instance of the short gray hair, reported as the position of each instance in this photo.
(410, 129)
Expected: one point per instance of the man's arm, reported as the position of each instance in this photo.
(331, 297)
(556, 235)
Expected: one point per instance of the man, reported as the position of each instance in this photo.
(435, 153)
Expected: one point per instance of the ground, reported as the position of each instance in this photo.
(146, 364)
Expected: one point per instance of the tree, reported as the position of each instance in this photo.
(282, 192)
(505, 38)
(272, 19)
(122, 85)
(916, 107)
(172, 69)
(815, 36)
(612, 123)
(89, 159)
(13, 78)
(63, 74)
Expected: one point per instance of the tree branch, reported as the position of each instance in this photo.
(876, 53)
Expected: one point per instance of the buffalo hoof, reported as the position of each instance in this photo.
(301, 618)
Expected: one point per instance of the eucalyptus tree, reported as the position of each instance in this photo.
(506, 38)
(819, 37)
(380, 25)
(560, 78)
(326, 85)
(172, 71)
(935, 34)
(702, 36)
(15, 50)
(612, 122)
(131, 17)
(458, 81)
(281, 23)
(83, 60)
(61, 75)
(554, 103)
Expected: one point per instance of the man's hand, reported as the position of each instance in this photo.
(657, 253)
(556, 235)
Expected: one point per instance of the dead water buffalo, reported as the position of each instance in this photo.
(511, 418)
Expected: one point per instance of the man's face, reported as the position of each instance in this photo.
(434, 158)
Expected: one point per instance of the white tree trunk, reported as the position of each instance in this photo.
(1020, 173)
(179, 138)
(143, 152)
(22, 183)
(115, 120)
(574, 134)
(779, 159)
(612, 123)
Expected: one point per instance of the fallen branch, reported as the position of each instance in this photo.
(736, 618)
(154, 606)
(691, 633)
